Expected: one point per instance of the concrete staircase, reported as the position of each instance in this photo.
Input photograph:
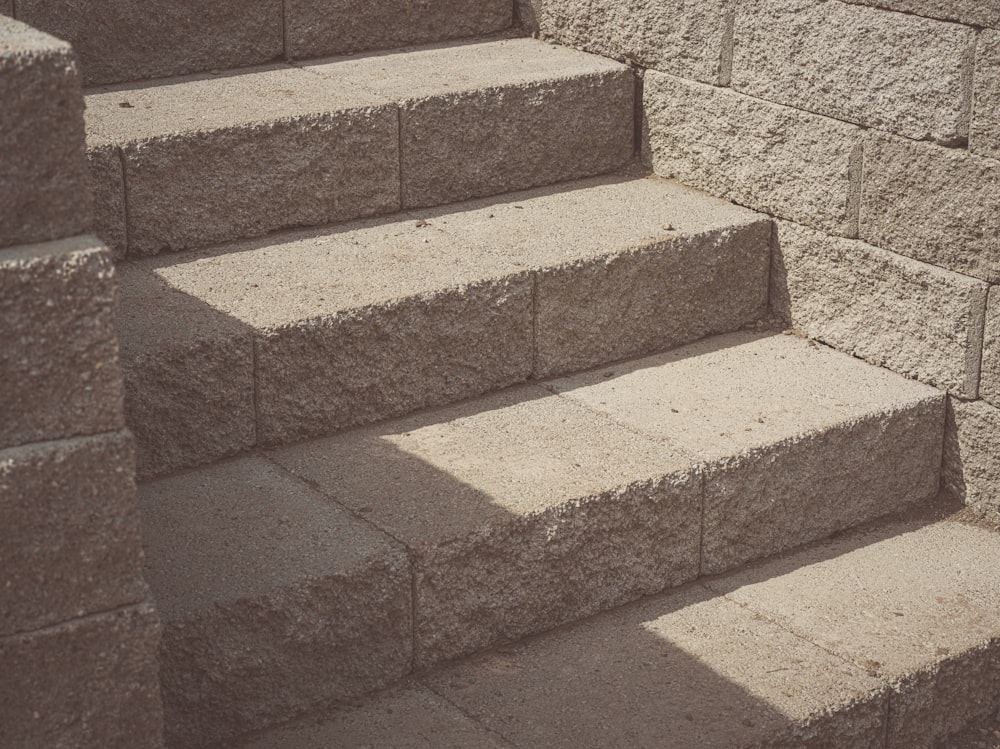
(419, 366)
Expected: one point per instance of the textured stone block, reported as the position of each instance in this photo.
(989, 384)
(984, 139)
(274, 600)
(939, 205)
(316, 27)
(521, 511)
(91, 682)
(107, 181)
(915, 319)
(71, 544)
(900, 73)
(971, 460)
(58, 350)
(121, 40)
(971, 12)
(7, 7)
(772, 158)
(43, 184)
(692, 40)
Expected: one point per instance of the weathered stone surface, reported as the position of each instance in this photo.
(89, 683)
(43, 184)
(989, 383)
(972, 12)
(7, 7)
(900, 73)
(121, 40)
(315, 28)
(274, 600)
(915, 319)
(939, 205)
(926, 623)
(57, 343)
(107, 182)
(71, 531)
(521, 511)
(800, 441)
(321, 151)
(682, 669)
(971, 470)
(687, 39)
(188, 373)
(766, 156)
(984, 139)
(409, 717)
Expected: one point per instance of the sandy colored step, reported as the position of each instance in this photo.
(516, 512)
(212, 158)
(269, 341)
(882, 639)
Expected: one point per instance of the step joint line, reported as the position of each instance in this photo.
(255, 394)
(399, 153)
(534, 326)
(47, 628)
(284, 31)
(701, 526)
(126, 207)
(888, 718)
(506, 740)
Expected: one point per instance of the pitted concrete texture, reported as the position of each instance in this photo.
(7, 7)
(314, 28)
(971, 471)
(71, 543)
(521, 510)
(91, 682)
(784, 425)
(120, 40)
(188, 373)
(939, 205)
(772, 158)
(900, 73)
(915, 604)
(989, 383)
(274, 599)
(58, 350)
(680, 671)
(321, 151)
(686, 39)
(408, 717)
(971, 12)
(107, 184)
(984, 139)
(43, 184)
(916, 319)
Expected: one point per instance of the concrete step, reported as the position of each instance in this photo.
(319, 571)
(193, 161)
(886, 638)
(124, 40)
(266, 342)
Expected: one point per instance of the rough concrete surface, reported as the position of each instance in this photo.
(687, 39)
(521, 511)
(315, 28)
(71, 543)
(7, 7)
(91, 682)
(766, 156)
(939, 205)
(971, 12)
(984, 140)
(321, 151)
(107, 184)
(971, 471)
(900, 73)
(678, 671)
(43, 184)
(58, 350)
(989, 383)
(121, 40)
(916, 319)
(915, 604)
(274, 599)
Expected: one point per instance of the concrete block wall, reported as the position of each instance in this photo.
(78, 635)
(870, 130)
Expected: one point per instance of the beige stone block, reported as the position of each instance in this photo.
(121, 40)
(274, 600)
(188, 371)
(57, 342)
(691, 40)
(971, 470)
(71, 531)
(91, 682)
(43, 184)
(521, 512)
(989, 383)
(901, 73)
(939, 205)
(683, 669)
(315, 28)
(984, 139)
(915, 319)
(107, 181)
(772, 158)
(970, 12)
